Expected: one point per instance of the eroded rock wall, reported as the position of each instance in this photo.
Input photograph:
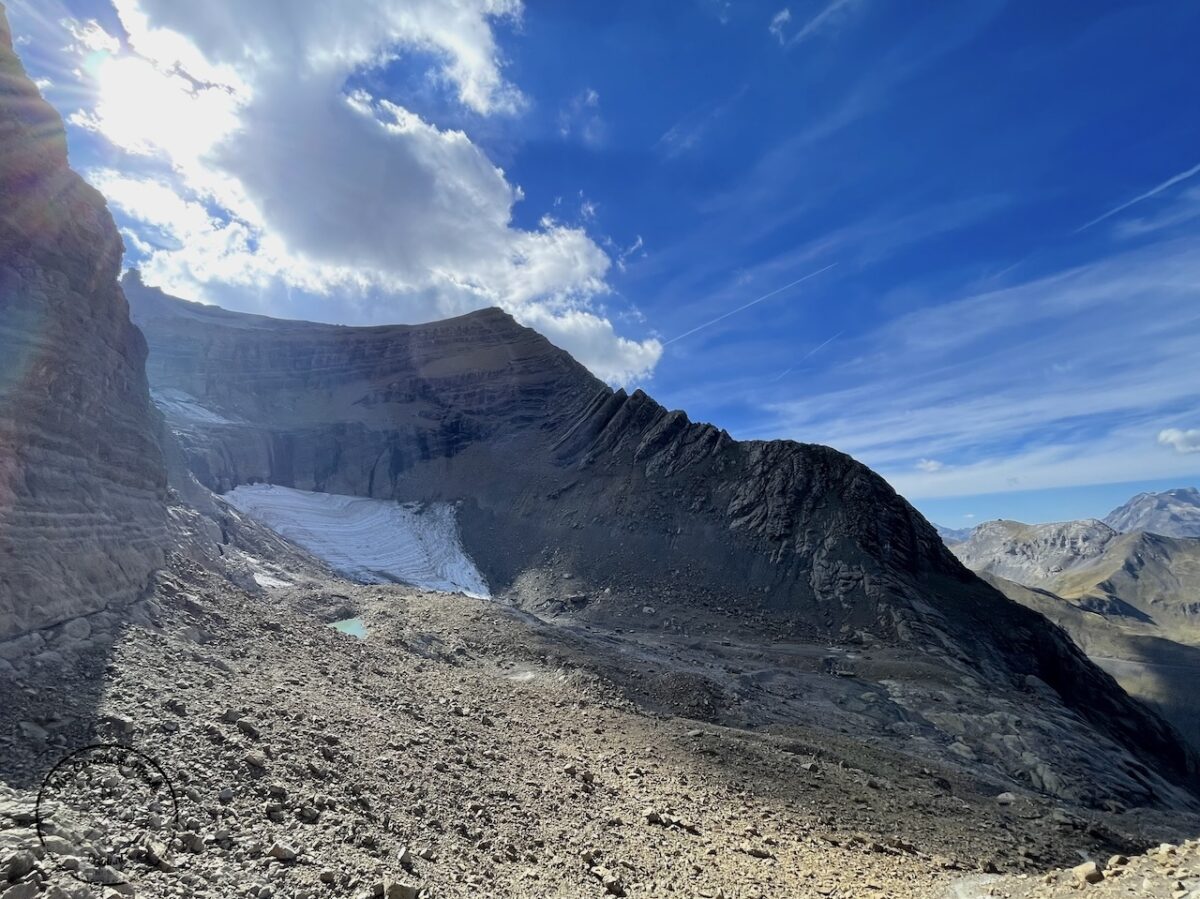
(82, 482)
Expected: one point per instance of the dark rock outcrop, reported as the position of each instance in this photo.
(82, 483)
(556, 472)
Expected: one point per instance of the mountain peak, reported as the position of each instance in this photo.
(1172, 513)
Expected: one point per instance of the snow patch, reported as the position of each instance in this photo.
(180, 406)
(369, 540)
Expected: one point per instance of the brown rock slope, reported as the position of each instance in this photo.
(1139, 576)
(81, 475)
(559, 474)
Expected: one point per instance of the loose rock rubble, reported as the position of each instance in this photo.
(1167, 871)
(464, 748)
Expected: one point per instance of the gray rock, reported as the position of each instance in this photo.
(282, 852)
(85, 432)
(26, 890)
(18, 864)
(1088, 872)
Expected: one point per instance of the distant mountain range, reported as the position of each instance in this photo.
(1126, 591)
(953, 535)
(1172, 513)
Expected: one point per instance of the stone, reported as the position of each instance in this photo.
(1088, 872)
(77, 629)
(282, 852)
(26, 890)
(191, 841)
(19, 864)
(611, 882)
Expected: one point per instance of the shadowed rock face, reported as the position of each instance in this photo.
(556, 472)
(480, 409)
(82, 485)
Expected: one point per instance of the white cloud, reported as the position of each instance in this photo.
(581, 118)
(1183, 441)
(635, 250)
(930, 465)
(829, 17)
(282, 188)
(779, 22)
(88, 36)
(686, 134)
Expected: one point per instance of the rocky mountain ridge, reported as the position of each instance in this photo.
(1172, 513)
(953, 535)
(1139, 575)
(1130, 600)
(1033, 554)
(82, 479)
(580, 500)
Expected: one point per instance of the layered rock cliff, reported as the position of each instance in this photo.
(481, 410)
(82, 483)
(554, 472)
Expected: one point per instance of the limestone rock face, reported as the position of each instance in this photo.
(82, 483)
(596, 497)
(1172, 513)
(1136, 576)
(1035, 555)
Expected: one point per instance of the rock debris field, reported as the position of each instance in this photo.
(456, 752)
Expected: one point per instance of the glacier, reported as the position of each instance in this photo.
(373, 541)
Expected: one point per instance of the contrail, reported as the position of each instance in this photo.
(811, 352)
(765, 296)
(1170, 182)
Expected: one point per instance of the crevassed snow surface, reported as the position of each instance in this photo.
(371, 540)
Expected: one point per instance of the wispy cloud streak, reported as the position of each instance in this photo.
(1068, 379)
(808, 355)
(745, 306)
(1152, 192)
(828, 17)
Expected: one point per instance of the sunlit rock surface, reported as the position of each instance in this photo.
(82, 483)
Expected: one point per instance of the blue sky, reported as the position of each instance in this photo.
(959, 241)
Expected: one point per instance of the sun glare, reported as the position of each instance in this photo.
(145, 110)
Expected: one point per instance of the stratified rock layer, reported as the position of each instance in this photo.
(557, 476)
(82, 483)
